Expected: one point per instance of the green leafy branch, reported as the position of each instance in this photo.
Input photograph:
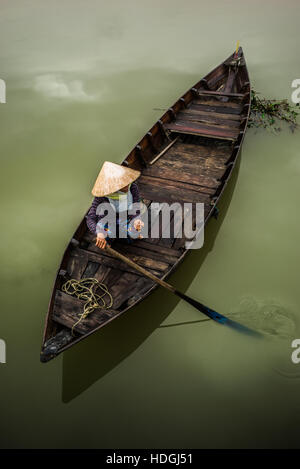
(268, 113)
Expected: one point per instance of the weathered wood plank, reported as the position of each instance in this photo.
(208, 119)
(113, 278)
(188, 153)
(67, 310)
(163, 151)
(167, 229)
(204, 143)
(170, 193)
(220, 149)
(176, 223)
(160, 250)
(216, 115)
(193, 161)
(219, 129)
(77, 264)
(229, 85)
(124, 285)
(143, 252)
(157, 181)
(209, 168)
(208, 131)
(205, 184)
(103, 258)
(145, 243)
(215, 108)
(179, 242)
(128, 288)
(214, 101)
(147, 263)
(91, 269)
(141, 290)
(154, 223)
(220, 93)
(217, 79)
(102, 273)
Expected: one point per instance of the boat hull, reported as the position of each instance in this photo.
(188, 156)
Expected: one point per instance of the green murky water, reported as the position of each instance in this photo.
(83, 82)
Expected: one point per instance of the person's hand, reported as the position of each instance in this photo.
(138, 224)
(101, 241)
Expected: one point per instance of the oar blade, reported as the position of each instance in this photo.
(244, 329)
(215, 316)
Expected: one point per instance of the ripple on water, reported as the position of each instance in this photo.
(277, 323)
(269, 317)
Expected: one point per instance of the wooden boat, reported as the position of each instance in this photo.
(187, 156)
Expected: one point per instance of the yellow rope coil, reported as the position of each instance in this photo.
(86, 289)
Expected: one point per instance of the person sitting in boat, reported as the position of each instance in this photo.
(114, 186)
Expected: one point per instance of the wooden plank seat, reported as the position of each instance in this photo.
(213, 166)
(184, 179)
(205, 185)
(210, 115)
(208, 119)
(214, 101)
(217, 106)
(220, 93)
(219, 151)
(178, 164)
(193, 128)
(162, 254)
(162, 191)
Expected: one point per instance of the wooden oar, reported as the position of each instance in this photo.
(201, 307)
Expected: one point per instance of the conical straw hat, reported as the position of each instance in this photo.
(112, 178)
